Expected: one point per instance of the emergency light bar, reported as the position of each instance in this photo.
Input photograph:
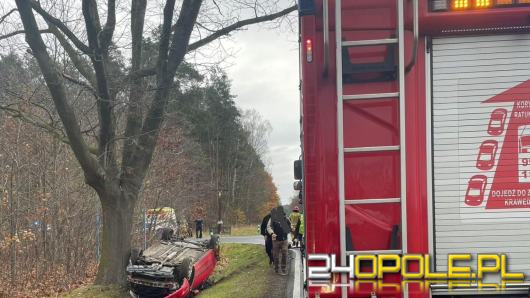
(458, 5)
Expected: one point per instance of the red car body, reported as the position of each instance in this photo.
(497, 122)
(202, 269)
(486, 155)
(475, 190)
(182, 292)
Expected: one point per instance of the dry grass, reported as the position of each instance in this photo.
(246, 230)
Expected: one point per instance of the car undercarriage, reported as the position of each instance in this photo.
(172, 267)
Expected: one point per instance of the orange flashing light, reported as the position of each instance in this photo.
(482, 3)
(503, 2)
(460, 4)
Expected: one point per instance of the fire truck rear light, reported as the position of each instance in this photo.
(309, 50)
(482, 3)
(438, 5)
(459, 4)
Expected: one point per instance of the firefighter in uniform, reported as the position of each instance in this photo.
(294, 218)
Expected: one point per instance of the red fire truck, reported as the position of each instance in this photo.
(401, 101)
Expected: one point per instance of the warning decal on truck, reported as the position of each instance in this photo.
(510, 186)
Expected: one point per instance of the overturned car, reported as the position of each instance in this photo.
(172, 267)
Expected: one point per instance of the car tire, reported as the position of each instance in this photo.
(166, 234)
(215, 245)
(214, 242)
(135, 255)
(185, 270)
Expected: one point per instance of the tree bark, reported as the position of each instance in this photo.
(117, 214)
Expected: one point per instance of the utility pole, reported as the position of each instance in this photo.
(13, 226)
(219, 220)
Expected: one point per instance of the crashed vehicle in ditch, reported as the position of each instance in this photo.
(172, 267)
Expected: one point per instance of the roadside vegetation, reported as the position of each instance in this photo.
(50, 221)
(242, 272)
(95, 291)
(245, 230)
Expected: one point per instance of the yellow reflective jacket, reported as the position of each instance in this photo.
(294, 217)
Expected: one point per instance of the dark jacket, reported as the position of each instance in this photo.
(263, 228)
(278, 228)
(198, 223)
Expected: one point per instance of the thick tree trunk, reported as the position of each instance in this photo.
(117, 210)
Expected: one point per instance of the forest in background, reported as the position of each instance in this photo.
(50, 219)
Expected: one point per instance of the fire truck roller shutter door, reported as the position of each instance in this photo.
(480, 164)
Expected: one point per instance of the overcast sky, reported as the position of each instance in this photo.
(265, 77)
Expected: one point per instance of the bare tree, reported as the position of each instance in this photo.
(116, 162)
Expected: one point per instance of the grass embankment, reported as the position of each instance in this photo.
(242, 272)
(247, 230)
(93, 291)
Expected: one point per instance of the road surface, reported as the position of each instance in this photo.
(258, 239)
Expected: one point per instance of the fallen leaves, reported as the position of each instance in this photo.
(44, 282)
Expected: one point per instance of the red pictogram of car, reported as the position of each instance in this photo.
(486, 155)
(497, 120)
(475, 190)
(524, 141)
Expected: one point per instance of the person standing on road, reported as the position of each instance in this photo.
(300, 230)
(278, 227)
(294, 217)
(198, 227)
(267, 236)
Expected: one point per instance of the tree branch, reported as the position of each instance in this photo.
(137, 153)
(4, 17)
(106, 118)
(11, 34)
(80, 63)
(238, 25)
(93, 173)
(146, 72)
(136, 94)
(181, 35)
(49, 128)
(49, 18)
(167, 66)
(105, 35)
(80, 83)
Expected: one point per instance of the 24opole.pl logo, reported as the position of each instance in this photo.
(415, 269)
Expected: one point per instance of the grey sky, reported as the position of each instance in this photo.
(265, 77)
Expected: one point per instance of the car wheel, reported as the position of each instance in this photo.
(135, 255)
(185, 270)
(214, 242)
(166, 234)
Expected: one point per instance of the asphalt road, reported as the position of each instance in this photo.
(258, 239)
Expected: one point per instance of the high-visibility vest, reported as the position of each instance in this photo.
(302, 229)
(294, 217)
